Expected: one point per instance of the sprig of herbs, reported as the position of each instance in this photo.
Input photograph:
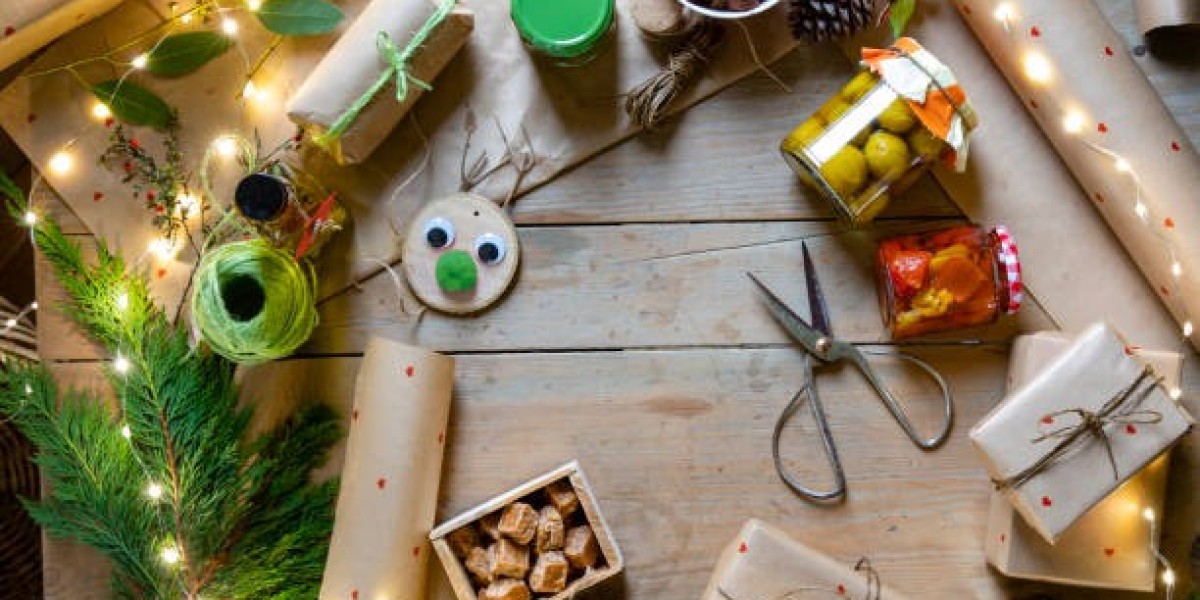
(158, 183)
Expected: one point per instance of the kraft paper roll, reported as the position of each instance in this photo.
(354, 64)
(389, 488)
(1153, 15)
(1086, 72)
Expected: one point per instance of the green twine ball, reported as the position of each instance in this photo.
(455, 271)
(253, 302)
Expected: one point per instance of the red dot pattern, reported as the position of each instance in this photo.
(1047, 502)
(1035, 32)
(743, 548)
(381, 483)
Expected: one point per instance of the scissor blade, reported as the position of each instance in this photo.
(816, 299)
(795, 325)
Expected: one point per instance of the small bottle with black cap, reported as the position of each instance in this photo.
(269, 203)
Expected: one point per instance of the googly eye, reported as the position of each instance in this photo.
(490, 248)
(439, 233)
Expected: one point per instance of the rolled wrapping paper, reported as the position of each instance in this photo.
(30, 24)
(389, 487)
(763, 563)
(1084, 72)
(360, 58)
(1153, 15)
(1039, 444)
(1111, 546)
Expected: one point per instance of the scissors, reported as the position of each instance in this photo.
(817, 339)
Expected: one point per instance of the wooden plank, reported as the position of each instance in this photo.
(637, 286)
(676, 446)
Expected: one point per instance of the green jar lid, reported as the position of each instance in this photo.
(562, 28)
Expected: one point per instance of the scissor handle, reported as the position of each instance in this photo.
(858, 358)
(809, 392)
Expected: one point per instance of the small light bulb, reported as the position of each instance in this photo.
(1141, 210)
(1176, 393)
(1004, 12)
(31, 218)
(1148, 514)
(121, 364)
(1037, 68)
(162, 248)
(1187, 329)
(140, 61)
(187, 203)
(249, 90)
(33, 305)
(126, 432)
(253, 5)
(225, 146)
(122, 301)
(9, 324)
(229, 26)
(101, 111)
(155, 491)
(61, 162)
(186, 18)
(170, 555)
(28, 390)
(1122, 165)
(1176, 269)
(1169, 577)
(1073, 122)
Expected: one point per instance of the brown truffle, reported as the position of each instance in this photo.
(563, 497)
(550, 530)
(508, 559)
(519, 522)
(505, 589)
(463, 540)
(479, 565)
(549, 575)
(489, 524)
(581, 548)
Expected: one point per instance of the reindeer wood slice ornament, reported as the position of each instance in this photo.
(461, 254)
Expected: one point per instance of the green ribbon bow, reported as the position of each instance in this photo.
(397, 60)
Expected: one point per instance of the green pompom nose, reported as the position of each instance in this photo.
(456, 272)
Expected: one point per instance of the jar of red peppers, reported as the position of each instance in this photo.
(948, 279)
(882, 130)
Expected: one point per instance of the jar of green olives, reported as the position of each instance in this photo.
(881, 131)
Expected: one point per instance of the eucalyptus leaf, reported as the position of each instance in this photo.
(182, 53)
(901, 12)
(134, 104)
(301, 17)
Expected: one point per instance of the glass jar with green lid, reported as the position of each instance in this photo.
(568, 32)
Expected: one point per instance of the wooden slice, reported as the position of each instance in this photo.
(472, 217)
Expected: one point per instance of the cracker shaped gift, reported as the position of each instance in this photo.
(1113, 545)
(763, 563)
(1067, 439)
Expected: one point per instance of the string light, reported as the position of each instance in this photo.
(101, 111)
(226, 146)
(9, 324)
(33, 305)
(61, 162)
(1037, 67)
(122, 301)
(170, 555)
(154, 490)
(186, 18)
(121, 364)
(1148, 514)
(1187, 329)
(1073, 122)
(253, 5)
(1005, 12)
(28, 390)
(229, 26)
(1176, 270)
(31, 218)
(126, 432)
(1169, 577)
(250, 91)
(1141, 211)
(140, 61)
(1122, 165)
(187, 203)
(162, 248)
(1176, 393)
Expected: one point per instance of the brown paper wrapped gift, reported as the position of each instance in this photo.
(388, 496)
(763, 563)
(1110, 546)
(355, 64)
(1088, 422)
(31, 24)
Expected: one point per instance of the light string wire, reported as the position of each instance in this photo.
(1038, 70)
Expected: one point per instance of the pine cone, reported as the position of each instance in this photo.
(818, 20)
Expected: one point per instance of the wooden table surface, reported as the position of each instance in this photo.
(632, 342)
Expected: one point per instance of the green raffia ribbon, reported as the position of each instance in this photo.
(397, 60)
(278, 317)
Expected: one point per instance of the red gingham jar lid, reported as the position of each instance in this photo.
(1010, 261)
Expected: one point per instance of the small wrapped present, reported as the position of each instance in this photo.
(1112, 545)
(763, 563)
(376, 72)
(1087, 423)
(30, 24)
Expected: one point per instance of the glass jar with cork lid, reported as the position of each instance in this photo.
(567, 33)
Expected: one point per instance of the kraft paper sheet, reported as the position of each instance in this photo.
(1109, 547)
(27, 25)
(1093, 75)
(1093, 370)
(388, 497)
(568, 114)
(763, 563)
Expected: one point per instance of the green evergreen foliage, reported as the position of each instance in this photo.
(243, 514)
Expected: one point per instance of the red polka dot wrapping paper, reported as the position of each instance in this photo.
(388, 497)
(764, 562)
(31, 24)
(1109, 547)
(1092, 370)
(1122, 143)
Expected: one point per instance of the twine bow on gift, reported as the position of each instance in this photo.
(874, 587)
(397, 71)
(1117, 410)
